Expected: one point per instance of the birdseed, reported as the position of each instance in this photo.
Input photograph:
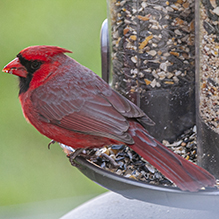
(209, 59)
(153, 60)
(152, 44)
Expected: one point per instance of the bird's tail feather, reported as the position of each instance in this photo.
(185, 174)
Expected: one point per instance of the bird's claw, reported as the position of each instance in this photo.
(51, 142)
(73, 155)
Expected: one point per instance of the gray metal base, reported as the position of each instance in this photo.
(114, 206)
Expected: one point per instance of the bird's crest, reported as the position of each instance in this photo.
(42, 53)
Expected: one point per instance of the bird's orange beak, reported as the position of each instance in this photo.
(14, 67)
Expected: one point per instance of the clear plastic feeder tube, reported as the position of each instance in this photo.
(153, 60)
(207, 75)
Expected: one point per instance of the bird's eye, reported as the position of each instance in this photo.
(35, 65)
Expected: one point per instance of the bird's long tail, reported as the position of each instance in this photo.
(185, 174)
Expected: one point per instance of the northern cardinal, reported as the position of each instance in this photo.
(70, 104)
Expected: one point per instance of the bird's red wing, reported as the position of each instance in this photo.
(81, 110)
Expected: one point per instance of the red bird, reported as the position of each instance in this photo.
(70, 104)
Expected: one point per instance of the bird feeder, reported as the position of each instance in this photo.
(153, 63)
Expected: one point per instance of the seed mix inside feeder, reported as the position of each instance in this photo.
(153, 62)
(208, 84)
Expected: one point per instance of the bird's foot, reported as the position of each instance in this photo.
(73, 155)
(51, 142)
(110, 159)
